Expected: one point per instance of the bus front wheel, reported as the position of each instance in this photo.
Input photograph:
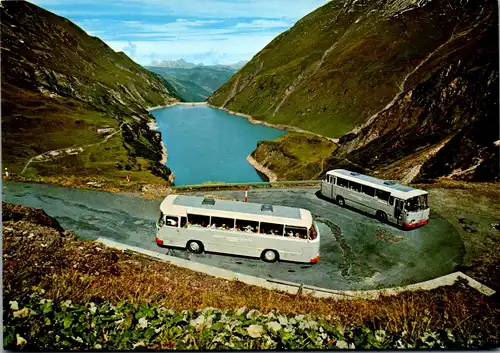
(381, 216)
(269, 256)
(195, 247)
(340, 201)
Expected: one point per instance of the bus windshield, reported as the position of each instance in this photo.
(417, 203)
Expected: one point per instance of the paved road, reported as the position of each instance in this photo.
(357, 251)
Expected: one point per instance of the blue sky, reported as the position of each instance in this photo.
(199, 31)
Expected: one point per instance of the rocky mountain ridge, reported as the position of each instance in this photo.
(197, 83)
(183, 64)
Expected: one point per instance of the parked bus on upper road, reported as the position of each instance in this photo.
(387, 200)
(240, 228)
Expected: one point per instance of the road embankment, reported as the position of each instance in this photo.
(266, 171)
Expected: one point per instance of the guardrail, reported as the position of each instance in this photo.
(262, 184)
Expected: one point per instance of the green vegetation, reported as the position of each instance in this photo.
(366, 58)
(295, 156)
(424, 74)
(195, 84)
(59, 85)
(39, 323)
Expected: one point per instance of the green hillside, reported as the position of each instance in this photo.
(373, 73)
(59, 85)
(196, 83)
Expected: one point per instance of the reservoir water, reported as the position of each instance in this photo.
(207, 144)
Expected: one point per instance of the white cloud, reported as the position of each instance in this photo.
(209, 51)
(209, 31)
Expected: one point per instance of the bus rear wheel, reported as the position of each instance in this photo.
(269, 256)
(195, 246)
(381, 216)
(340, 201)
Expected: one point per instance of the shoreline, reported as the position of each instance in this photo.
(262, 169)
(282, 127)
(164, 152)
(150, 109)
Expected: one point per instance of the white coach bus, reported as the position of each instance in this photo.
(240, 228)
(388, 201)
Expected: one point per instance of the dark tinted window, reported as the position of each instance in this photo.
(383, 195)
(198, 220)
(183, 221)
(354, 186)
(342, 182)
(391, 200)
(368, 190)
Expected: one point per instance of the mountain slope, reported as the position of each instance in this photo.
(195, 84)
(396, 79)
(59, 85)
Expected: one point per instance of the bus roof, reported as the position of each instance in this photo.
(396, 189)
(180, 205)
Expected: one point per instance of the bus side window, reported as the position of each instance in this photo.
(391, 200)
(271, 228)
(199, 220)
(296, 232)
(342, 182)
(183, 222)
(368, 190)
(354, 186)
(171, 221)
(382, 195)
(247, 226)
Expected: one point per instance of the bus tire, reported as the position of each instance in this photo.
(194, 246)
(341, 201)
(381, 216)
(269, 256)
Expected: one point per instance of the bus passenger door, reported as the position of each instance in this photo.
(398, 209)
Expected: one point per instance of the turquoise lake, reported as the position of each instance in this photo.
(207, 144)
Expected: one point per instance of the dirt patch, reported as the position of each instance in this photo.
(386, 236)
(219, 197)
(16, 213)
(471, 208)
(467, 225)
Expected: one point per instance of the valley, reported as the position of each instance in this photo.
(194, 83)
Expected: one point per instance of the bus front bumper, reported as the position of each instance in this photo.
(416, 224)
(315, 259)
(159, 242)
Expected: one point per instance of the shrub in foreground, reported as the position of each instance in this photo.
(36, 323)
